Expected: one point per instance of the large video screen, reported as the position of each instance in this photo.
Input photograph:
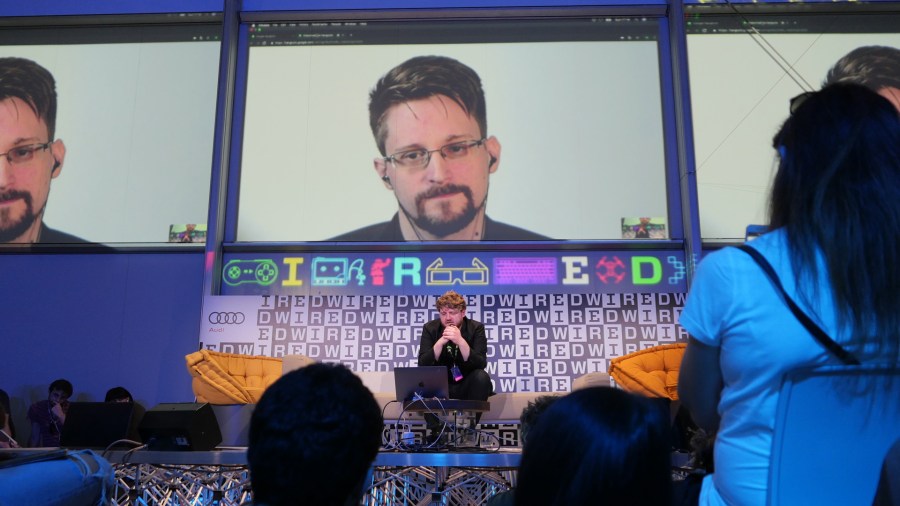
(744, 69)
(569, 145)
(130, 157)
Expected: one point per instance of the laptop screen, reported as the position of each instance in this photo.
(96, 424)
(425, 381)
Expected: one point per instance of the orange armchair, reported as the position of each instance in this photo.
(229, 378)
(652, 371)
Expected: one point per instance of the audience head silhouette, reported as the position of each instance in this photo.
(876, 67)
(118, 394)
(597, 445)
(61, 386)
(532, 412)
(313, 437)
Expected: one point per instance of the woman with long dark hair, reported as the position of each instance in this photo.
(834, 242)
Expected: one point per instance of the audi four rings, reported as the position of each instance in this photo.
(224, 318)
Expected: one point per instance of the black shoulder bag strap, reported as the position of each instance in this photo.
(816, 331)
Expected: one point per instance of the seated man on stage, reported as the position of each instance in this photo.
(459, 344)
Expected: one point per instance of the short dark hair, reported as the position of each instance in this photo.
(116, 393)
(33, 84)
(597, 445)
(313, 437)
(422, 77)
(874, 67)
(533, 410)
(61, 384)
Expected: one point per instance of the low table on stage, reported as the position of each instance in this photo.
(459, 414)
(398, 478)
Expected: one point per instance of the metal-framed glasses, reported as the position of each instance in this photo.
(23, 154)
(420, 158)
(449, 312)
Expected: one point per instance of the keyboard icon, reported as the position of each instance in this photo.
(525, 271)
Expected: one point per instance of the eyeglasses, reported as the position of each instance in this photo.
(449, 312)
(419, 158)
(797, 101)
(23, 154)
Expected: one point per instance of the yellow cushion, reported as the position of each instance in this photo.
(229, 378)
(651, 371)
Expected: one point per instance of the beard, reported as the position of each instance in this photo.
(442, 227)
(11, 229)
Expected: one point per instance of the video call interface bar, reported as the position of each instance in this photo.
(598, 28)
(697, 23)
(181, 27)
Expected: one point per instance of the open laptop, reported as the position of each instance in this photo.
(428, 381)
(96, 424)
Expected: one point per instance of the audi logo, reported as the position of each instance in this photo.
(226, 318)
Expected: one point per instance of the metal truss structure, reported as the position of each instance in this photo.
(159, 484)
(398, 479)
(419, 486)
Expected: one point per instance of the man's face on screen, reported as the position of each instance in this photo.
(24, 185)
(447, 195)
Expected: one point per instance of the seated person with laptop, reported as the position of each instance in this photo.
(459, 344)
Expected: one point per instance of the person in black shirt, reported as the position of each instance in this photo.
(460, 344)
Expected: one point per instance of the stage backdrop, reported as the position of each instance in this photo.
(537, 342)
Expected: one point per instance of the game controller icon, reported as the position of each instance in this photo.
(261, 272)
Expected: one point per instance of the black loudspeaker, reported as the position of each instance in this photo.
(180, 426)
